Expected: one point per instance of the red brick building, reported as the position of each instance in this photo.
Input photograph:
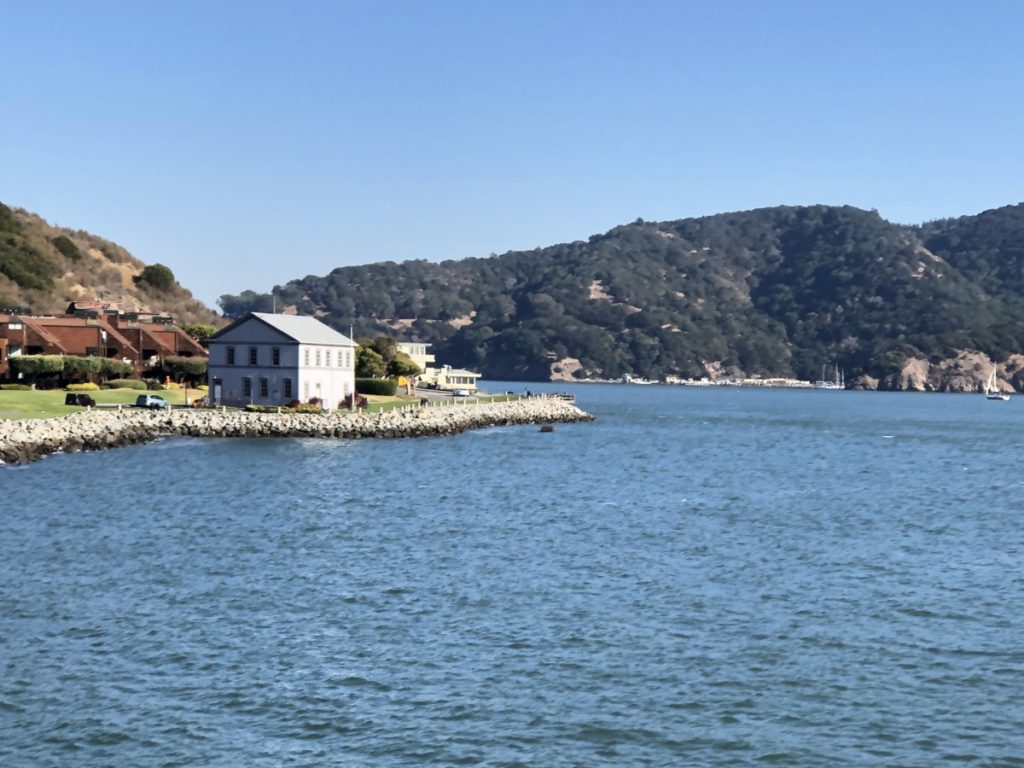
(140, 339)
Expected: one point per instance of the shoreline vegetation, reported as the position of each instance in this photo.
(25, 440)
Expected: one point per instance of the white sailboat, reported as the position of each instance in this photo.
(838, 383)
(992, 391)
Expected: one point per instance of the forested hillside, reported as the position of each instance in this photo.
(775, 291)
(44, 268)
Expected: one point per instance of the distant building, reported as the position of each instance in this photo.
(417, 352)
(271, 359)
(449, 378)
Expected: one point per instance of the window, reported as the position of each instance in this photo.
(247, 387)
(305, 357)
(275, 355)
(231, 355)
(348, 359)
(305, 390)
(252, 355)
(318, 358)
(264, 388)
(288, 388)
(329, 356)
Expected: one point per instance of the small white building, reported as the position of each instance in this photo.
(449, 378)
(270, 359)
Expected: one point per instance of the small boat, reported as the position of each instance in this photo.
(992, 391)
(838, 383)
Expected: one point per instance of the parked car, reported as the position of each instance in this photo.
(150, 401)
(78, 398)
(460, 393)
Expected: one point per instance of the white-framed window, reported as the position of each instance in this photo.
(317, 357)
(305, 357)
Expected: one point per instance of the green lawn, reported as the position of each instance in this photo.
(43, 404)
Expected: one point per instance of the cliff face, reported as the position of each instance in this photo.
(967, 371)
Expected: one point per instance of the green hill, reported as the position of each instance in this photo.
(44, 268)
(775, 291)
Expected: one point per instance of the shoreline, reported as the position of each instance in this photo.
(27, 440)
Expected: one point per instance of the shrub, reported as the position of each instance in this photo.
(154, 386)
(299, 408)
(346, 404)
(15, 387)
(64, 244)
(125, 384)
(87, 386)
(376, 386)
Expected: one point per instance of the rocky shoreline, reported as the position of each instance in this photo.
(30, 439)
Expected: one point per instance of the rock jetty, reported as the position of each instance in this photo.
(29, 439)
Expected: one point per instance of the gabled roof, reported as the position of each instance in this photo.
(301, 328)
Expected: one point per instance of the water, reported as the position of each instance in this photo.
(700, 578)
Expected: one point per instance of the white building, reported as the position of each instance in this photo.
(417, 352)
(449, 378)
(270, 359)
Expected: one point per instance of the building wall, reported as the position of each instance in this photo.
(325, 371)
(417, 352)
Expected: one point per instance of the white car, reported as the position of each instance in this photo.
(460, 393)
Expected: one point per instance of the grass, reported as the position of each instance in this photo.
(47, 403)
(44, 404)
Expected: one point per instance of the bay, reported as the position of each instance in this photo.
(705, 577)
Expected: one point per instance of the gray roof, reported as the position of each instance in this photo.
(304, 329)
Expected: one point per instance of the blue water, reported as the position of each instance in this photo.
(699, 578)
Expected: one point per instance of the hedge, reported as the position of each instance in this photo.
(111, 366)
(125, 384)
(33, 365)
(376, 387)
(16, 387)
(85, 387)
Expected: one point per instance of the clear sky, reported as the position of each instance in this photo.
(244, 144)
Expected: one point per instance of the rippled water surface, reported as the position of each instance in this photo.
(699, 578)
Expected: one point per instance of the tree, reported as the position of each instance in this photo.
(64, 244)
(199, 331)
(386, 347)
(369, 364)
(185, 367)
(156, 276)
(402, 365)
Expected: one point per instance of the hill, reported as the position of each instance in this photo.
(44, 268)
(776, 291)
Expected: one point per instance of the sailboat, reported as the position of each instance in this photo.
(838, 383)
(992, 391)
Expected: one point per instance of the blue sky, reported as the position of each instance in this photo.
(245, 144)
